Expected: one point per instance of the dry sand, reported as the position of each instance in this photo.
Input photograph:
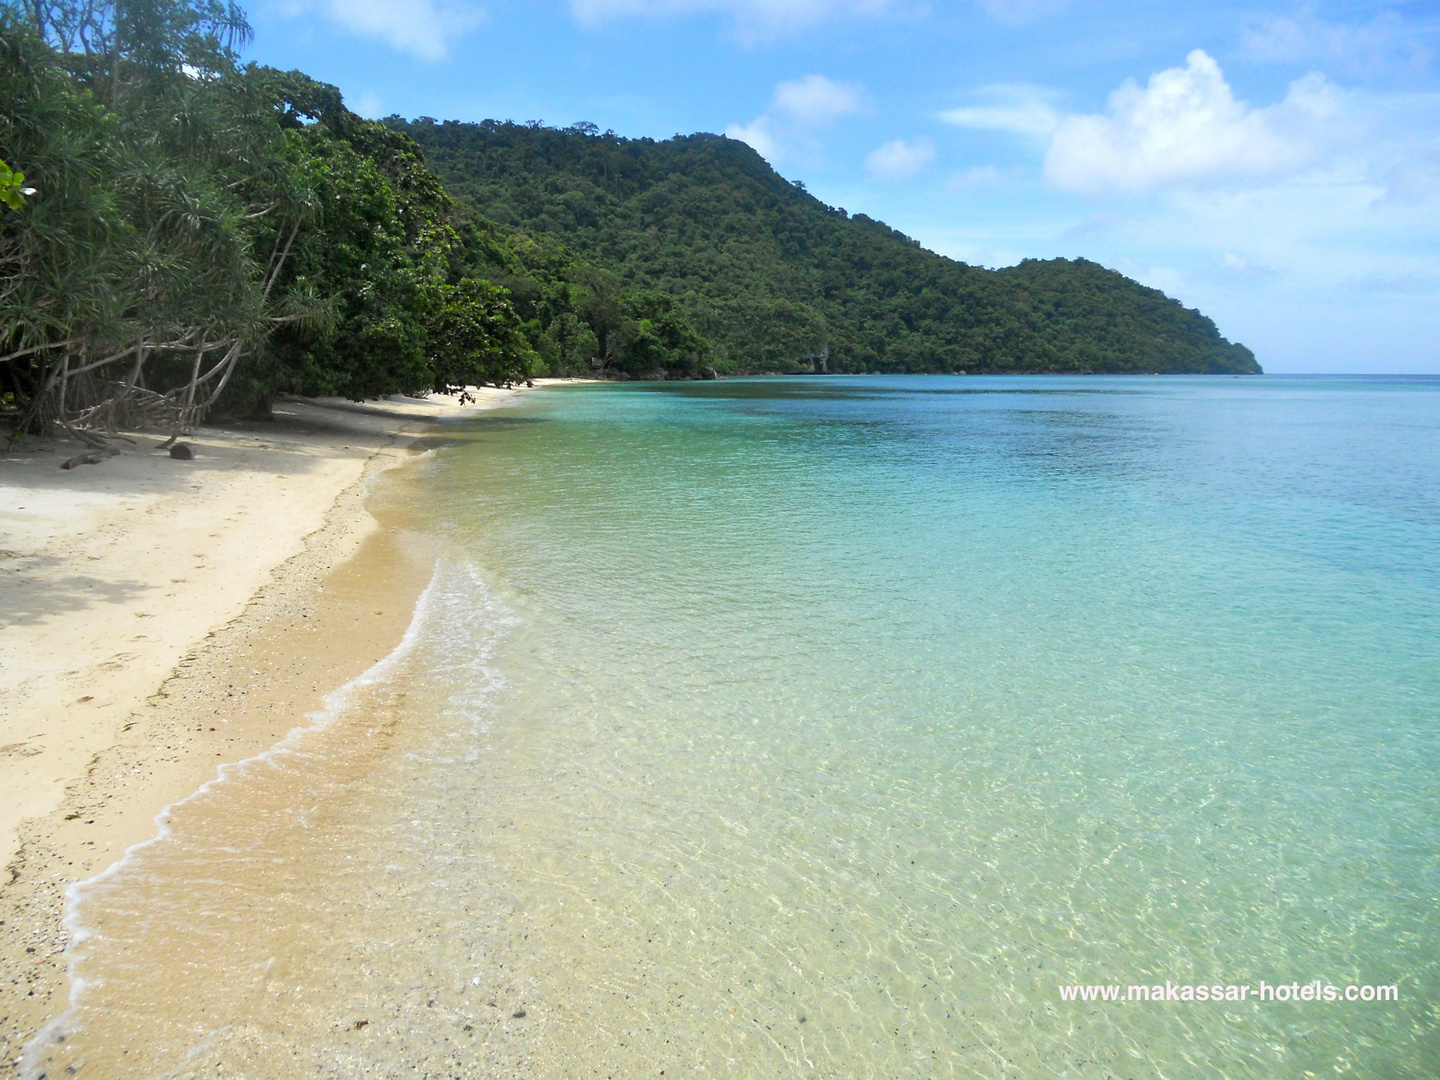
(159, 618)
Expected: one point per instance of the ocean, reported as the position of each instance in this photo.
(830, 727)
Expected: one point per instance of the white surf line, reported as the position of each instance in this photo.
(334, 705)
(367, 484)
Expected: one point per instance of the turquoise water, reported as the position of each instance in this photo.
(826, 727)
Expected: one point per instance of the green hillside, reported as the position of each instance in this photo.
(705, 232)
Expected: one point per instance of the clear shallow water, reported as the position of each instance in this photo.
(827, 727)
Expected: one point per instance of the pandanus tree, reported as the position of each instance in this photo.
(137, 292)
(204, 230)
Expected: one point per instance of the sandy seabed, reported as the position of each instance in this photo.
(161, 618)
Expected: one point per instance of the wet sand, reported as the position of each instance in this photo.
(164, 618)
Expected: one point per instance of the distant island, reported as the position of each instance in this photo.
(701, 230)
(156, 273)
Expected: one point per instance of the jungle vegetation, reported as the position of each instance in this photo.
(182, 232)
(188, 232)
(776, 281)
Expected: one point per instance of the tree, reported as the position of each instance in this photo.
(207, 235)
(475, 337)
(654, 338)
(771, 277)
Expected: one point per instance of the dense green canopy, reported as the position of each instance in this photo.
(187, 232)
(775, 279)
(179, 232)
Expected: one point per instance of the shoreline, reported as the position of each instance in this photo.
(285, 586)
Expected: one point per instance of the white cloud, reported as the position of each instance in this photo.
(1014, 107)
(1185, 129)
(754, 18)
(815, 100)
(1308, 227)
(798, 108)
(1386, 42)
(1185, 126)
(423, 28)
(757, 134)
(900, 160)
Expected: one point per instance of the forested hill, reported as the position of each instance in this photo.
(184, 235)
(773, 279)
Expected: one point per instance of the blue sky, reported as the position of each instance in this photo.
(1276, 166)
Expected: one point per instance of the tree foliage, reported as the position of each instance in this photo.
(478, 337)
(13, 189)
(775, 280)
(182, 232)
(203, 233)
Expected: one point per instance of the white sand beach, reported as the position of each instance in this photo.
(134, 588)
